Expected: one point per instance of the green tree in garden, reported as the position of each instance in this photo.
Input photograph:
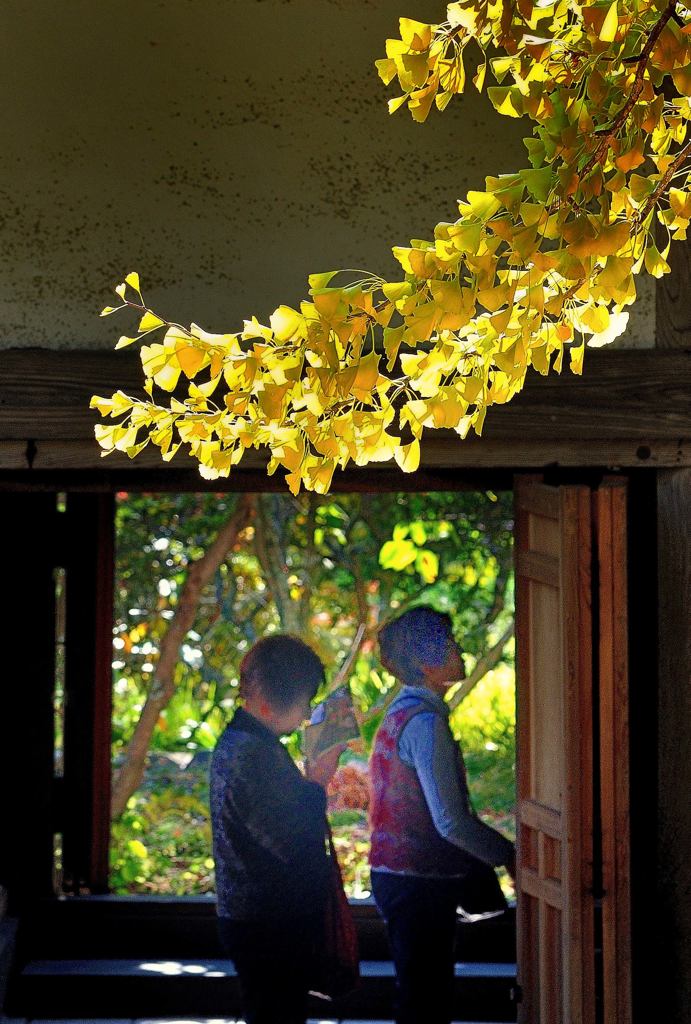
(538, 264)
(318, 565)
(332, 564)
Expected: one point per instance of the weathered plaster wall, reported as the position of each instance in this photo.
(224, 148)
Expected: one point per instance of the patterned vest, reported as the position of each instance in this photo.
(404, 838)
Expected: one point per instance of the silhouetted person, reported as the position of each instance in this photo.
(268, 825)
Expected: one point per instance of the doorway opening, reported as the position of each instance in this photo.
(572, 561)
(319, 567)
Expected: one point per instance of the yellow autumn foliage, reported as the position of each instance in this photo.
(540, 263)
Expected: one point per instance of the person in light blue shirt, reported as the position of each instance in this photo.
(428, 746)
(430, 852)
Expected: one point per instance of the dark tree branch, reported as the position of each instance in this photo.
(484, 665)
(272, 559)
(636, 90)
(681, 157)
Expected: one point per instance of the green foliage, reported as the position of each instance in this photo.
(539, 263)
(485, 725)
(162, 843)
(158, 536)
(332, 548)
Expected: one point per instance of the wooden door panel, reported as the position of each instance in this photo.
(90, 564)
(610, 515)
(546, 706)
(554, 757)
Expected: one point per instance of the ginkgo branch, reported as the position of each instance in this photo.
(538, 264)
(682, 156)
(638, 83)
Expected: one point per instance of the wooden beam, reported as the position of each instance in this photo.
(637, 395)
(629, 409)
(13, 455)
(441, 449)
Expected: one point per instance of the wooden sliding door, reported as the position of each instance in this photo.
(572, 754)
(555, 754)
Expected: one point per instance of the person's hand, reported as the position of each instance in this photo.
(323, 769)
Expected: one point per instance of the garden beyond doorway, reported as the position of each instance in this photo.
(318, 567)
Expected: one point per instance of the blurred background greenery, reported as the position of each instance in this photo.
(317, 567)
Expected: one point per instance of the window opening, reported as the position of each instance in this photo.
(58, 872)
(60, 581)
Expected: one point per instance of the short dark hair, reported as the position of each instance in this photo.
(417, 638)
(284, 669)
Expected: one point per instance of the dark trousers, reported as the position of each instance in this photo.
(274, 964)
(420, 915)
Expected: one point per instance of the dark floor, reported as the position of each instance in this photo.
(179, 1020)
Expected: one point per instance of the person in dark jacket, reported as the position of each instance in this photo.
(268, 823)
(430, 853)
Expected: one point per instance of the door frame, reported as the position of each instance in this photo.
(94, 484)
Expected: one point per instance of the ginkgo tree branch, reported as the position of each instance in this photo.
(639, 80)
(539, 264)
(680, 159)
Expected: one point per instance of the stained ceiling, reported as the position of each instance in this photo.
(223, 148)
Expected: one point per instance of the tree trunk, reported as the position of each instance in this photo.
(269, 545)
(129, 777)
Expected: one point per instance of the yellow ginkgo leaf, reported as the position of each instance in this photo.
(167, 377)
(190, 359)
(397, 103)
(286, 323)
(408, 456)
(150, 321)
(655, 263)
(610, 24)
(366, 376)
(386, 68)
(577, 359)
(415, 34)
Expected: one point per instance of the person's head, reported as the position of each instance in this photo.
(419, 649)
(279, 677)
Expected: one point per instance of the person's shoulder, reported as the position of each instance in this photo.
(407, 699)
(423, 720)
(416, 704)
(234, 744)
(430, 705)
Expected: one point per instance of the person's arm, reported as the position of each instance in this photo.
(323, 768)
(427, 745)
